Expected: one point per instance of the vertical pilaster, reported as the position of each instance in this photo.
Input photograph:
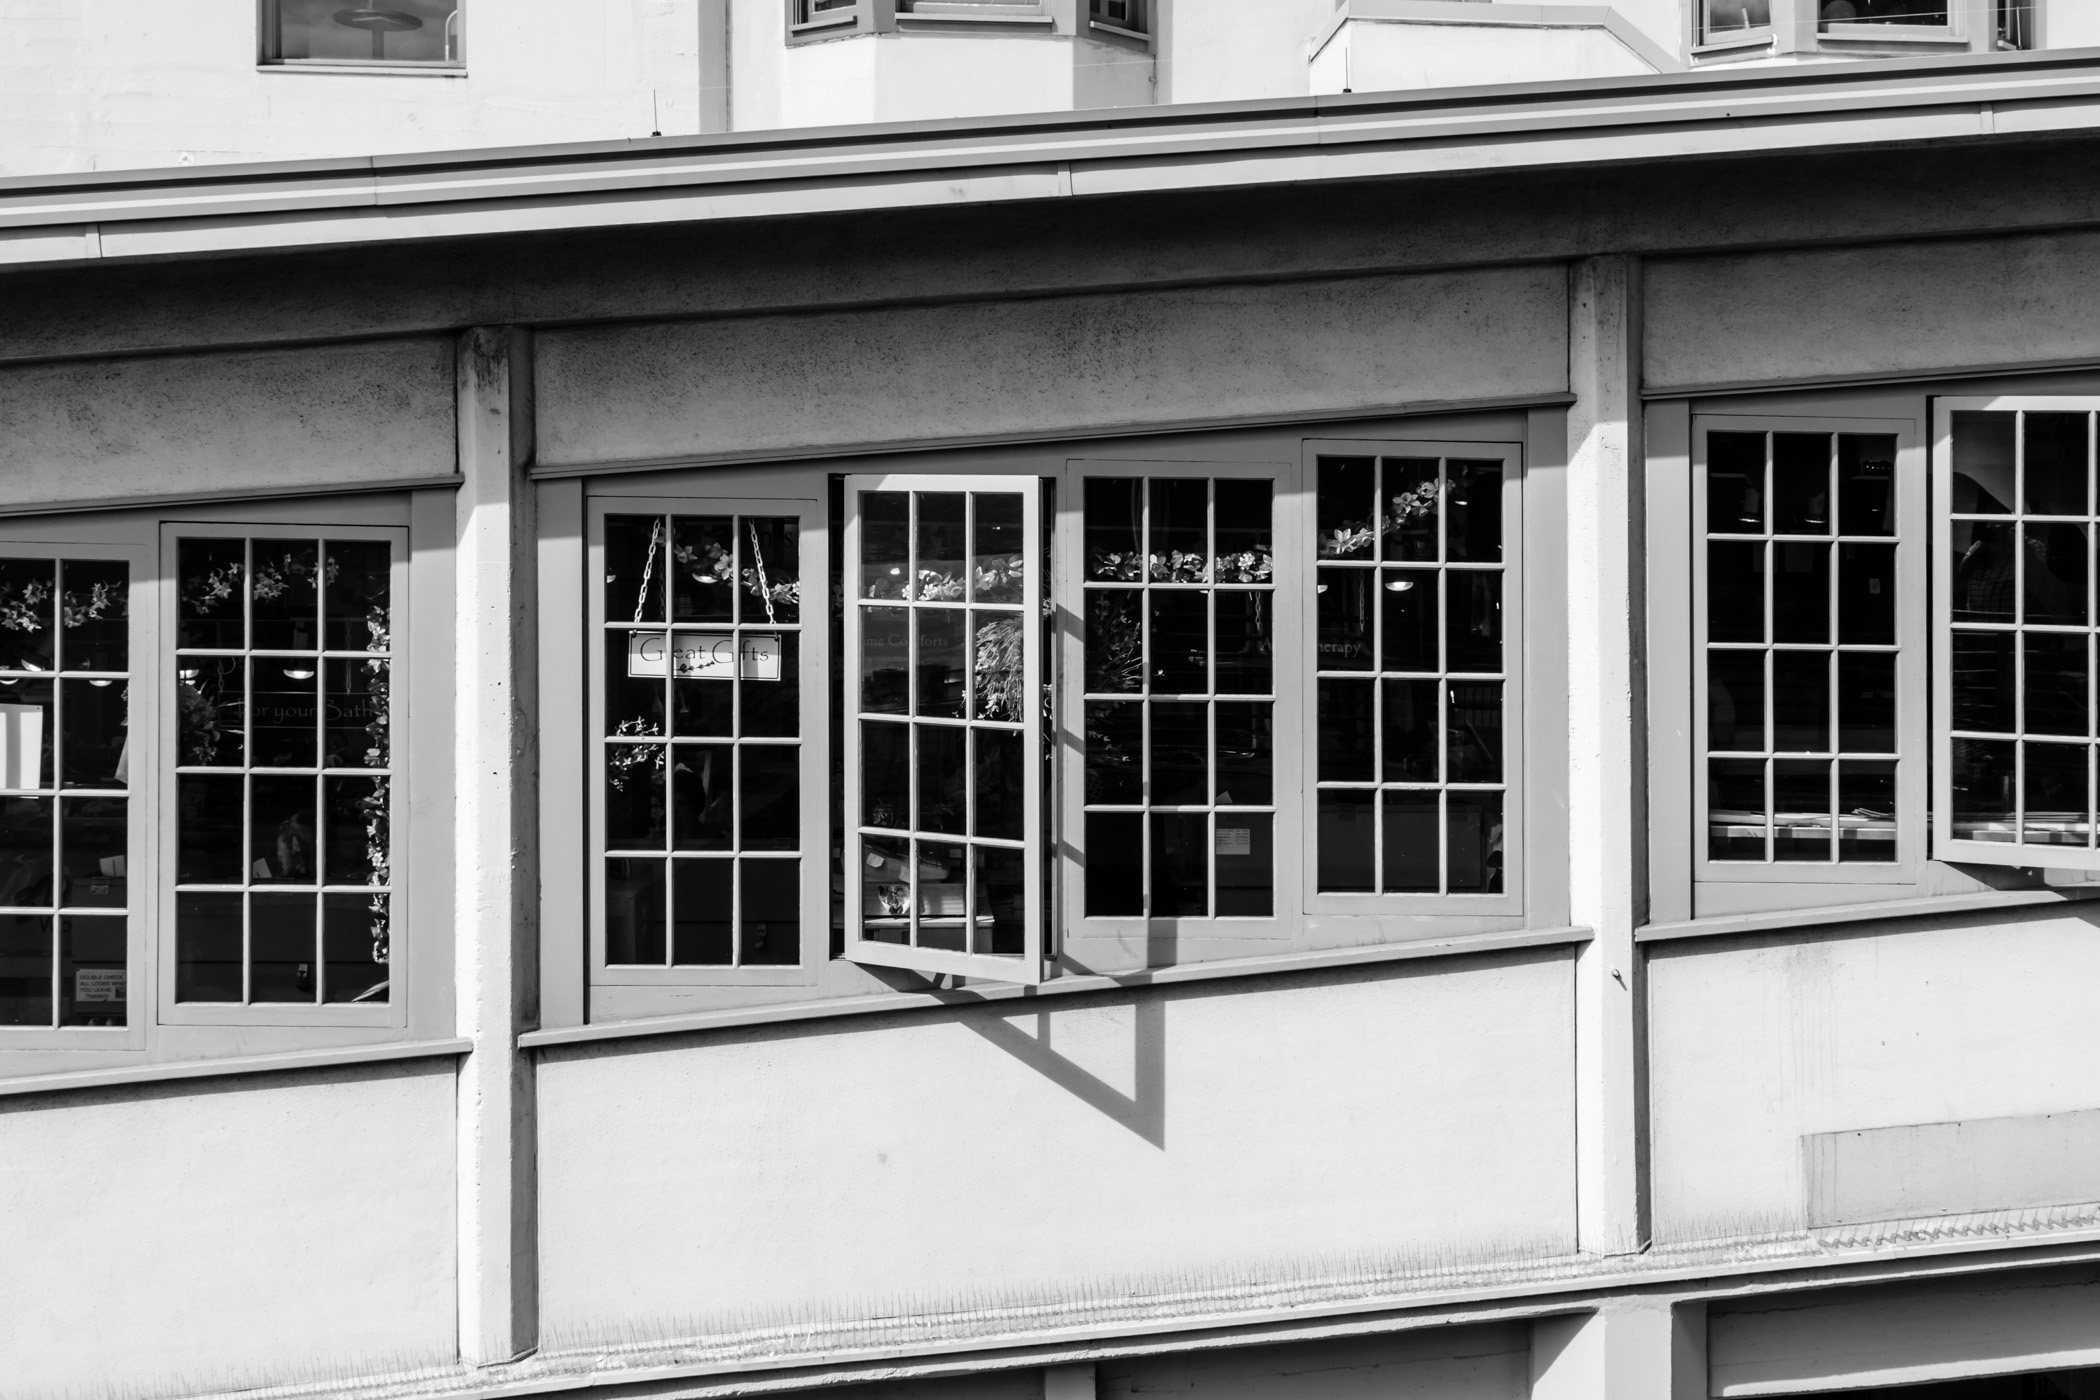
(1629, 1349)
(496, 891)
(1606, 813)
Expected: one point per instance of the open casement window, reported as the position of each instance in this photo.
(824, 16)
(1723, 21)
(76, 786)
(708, 674)
(944, 698)
(1808, 645)
(2014, 623)
(1174, 577)
(1416, 644)
(282, 732)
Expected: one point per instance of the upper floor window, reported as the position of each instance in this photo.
(1120, 16)
(1723, 20)
(413, 32)
(1917, 12)
(822, 14)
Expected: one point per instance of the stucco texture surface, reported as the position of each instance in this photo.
(225, 1234)
(1068, 1157)
(266, 420)
(1051, 366)
(1755, 1043)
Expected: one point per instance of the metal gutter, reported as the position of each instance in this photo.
(311, 204)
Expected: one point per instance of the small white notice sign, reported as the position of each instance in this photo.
(704, 656)
(98, 984)
(1235, 841)
(21, 747)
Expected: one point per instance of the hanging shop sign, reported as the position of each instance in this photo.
(704, 656)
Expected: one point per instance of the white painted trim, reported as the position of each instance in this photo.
(245, 1064)
(1276, 965)
(1790, 920)
(1503, 15)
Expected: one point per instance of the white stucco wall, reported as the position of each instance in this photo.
(213, 1235)
(852, 1170)
(1368, 56)
(115, 84)
(1260, 53)
(1754, 1044)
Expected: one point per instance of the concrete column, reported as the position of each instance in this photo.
(1630, 1349)
(496, 893)
(1606, 813)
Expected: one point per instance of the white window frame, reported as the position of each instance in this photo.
(1911, 637)
(420, 992)
(1140, 30)
(1441, 906)
(804, 21)
(1137, 933)
(626, 989)
(2012, 853)
(1026, 969)
(269, 47)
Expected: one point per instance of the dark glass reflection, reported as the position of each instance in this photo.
(208, 939)
(1180, 865)
(1412, 844)
(1867, 702)
(634, 797)
(885, 784)
(1345, 719)
(996, 555)
(1115, 655)
(999, 922)
(885, 660)
(2058, 804)
(1867, 594)
(1473, 621)
(1177, 548)
(1473, 531)
(1983, 681)
(1735, 483)
(1867, 810)
(25, 970)
(771, 709)
(2055, 476)
(1245, 552)
(210, 594)
(771, 798)
(1180, 753)
(284, 955)
(1867, 483)
(1983, 463)
(634, 705)
(1245, 641)
(1346, 508)
(1245, 749)
(1984, 565)
(1115, 864)
(1801, 483)
(356, 596)
(284, 705)
(208, 829)
(634, 568)
(1801, 701)
(634, 912)
(1409, 509)
(1735, 591)
(1114, 748)
(93, 850)
(885, 544)
(25, 849)
(211, 699)
(703, 894)
(998, 766)
(28, 614)
(1800, 592)
(2057, 559)
(1408, 599)
(769, 589)
(944, 779)
(943, 665)
(772, 919)
(94, 742)
(1473, 854)
(356, 827)
(1473, 734)
(94, 616)
(703, 568)
(1246, 865)
(2056, 683)
(1346, 840)
(943, 547)
(1983, 789)
(285, 602)
(92, 970)
(1735, 701)
(1180, 639)
(1413, 733)
(943, 892)
(999, 688)
(1113, 548)
(1345, 618)
(355, 717)
(1801, 817)
(1735, 809)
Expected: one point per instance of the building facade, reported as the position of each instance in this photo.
(1405, 743)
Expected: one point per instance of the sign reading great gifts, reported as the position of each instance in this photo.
(704, 656)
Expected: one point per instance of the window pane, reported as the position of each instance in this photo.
(1180, 641)
(944, 779)
(943, 677)
(208, 816)
(355, 941)
(2054, 474)
(284, 706)
(1474, 505)
(1474, 732)
(1410, 508)
(208, 944)
(355, 704)
(281, 831)
(283, 952)
(1801, 814)
(1113, 548)
(1735, 701)
(885, 660)
(2055, 575)
(1346, 840)
(2058, 803)
(1735, 809)
(998, 761)
(1735, 483)
(885, 783)
(1408, 598)
(772, 917)
(1244, 642)
(1347, 505)
(634, 912)
(93, 747)
(1246, 865)
(1180, 865)
(1413, 733)
(1176, 547)
(702, 902)
(1473, 621)
(356, 599)
(942, 545)
(769, 587)
(28, 615)
(703, 568)
(211, 593)
(1983, 463)
(408, 31)
(92, 971)
(94, 613)
(25, 970)
(771, 816)
(212, 711)
(356, 825)
(1114, 747)
(1245, 553)
(1984, 681)
(998, 667)
(943, 892)
(1412, 842)
(1866, 483)
(93, 846)
(2055, 683)
(1724, 17)
(1115, 864)
(1474, 820)
(634, 797)
(999, 922)
(1801, 701)
(1867, 594)
(285, 603)
(1866, 811)
(886, 893)
(885, 544)
(1346, 739)
(1800, 592)
(1115, 657)
(1345, 619)
(1982, 590)
(703, 797)
(770, 697)
(25, 851)
(996, 558)
(635, 664)
(1180, 748)
(1801, 483)
(1245, 748)
(1867, 702)
(1983, 784)
(1735, 592)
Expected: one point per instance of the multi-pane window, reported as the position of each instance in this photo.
(1925, 12)
(702, 770)
(325, 31)
(65, 778)
(284, 692)
(1179, 685)
(1722, 20)
(1798, 623)
(943, 715)
(2016, 518)
(1126, 16)
(1413, 650)
(820, 13)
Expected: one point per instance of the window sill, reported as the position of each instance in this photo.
(1031, 18)
(829, 22)
(1720, 46)
(1789, 920)
(1281, 964)
(366, 70)
(249, 1064)
(1118, 30)
(1888, 34)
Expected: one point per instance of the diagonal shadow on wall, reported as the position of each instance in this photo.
(1143, 1110)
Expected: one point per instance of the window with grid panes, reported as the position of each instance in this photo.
(943, 734)
(285, 703)
(1414, 651)
(701, 741)
(1798, 628)
(1179, 680)
(2014, 667)
(65, 792)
